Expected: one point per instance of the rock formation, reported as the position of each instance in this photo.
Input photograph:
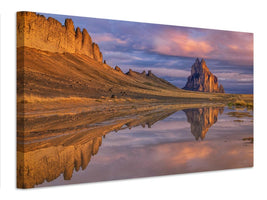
(96, 53)
(201, 119)
(36, 31)
(118, 69)
(201, 79)
(132, 73)
(156, 81)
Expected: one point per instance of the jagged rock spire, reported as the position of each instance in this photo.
(201, 79)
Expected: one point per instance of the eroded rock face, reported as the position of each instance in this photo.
(36, 31)
(201, 79)
(96, 53)
(87, 45)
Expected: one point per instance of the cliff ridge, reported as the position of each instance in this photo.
(35, 31)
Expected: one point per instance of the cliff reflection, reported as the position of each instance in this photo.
(45, 159)
(201, 119)
(46, 154)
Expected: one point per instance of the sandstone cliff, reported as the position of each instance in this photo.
(201, 79)
(36, 31)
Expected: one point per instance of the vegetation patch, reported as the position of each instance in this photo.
(240, 104)
(239, 114)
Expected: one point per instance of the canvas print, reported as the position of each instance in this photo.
(101, 100)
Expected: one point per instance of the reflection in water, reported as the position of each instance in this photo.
(34, 167)
(201, 119)
(46, 159)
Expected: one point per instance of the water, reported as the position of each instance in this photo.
(186, 141)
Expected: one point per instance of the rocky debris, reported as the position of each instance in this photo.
(201, 79)
(35, 31)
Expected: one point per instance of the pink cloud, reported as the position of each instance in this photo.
(107, 37)
(236, 47)
(177, 43)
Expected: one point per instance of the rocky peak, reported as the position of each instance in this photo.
(130, 72)
(201, 79)
(118, 69)
(149, 73)
(69, 24)
(199, 66)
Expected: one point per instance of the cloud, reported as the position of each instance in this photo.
(235, 76)
(107, 37)
(235, 47)
(178, 43)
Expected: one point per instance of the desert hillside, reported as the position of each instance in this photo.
(51, 74)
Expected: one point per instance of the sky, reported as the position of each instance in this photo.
(170, 51)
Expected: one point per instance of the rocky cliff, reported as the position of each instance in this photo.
(36, 31)
(201, 79)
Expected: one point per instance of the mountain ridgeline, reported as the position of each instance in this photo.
(58, 60)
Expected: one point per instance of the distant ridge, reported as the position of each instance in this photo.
(202, 80)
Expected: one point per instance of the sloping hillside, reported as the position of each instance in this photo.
(51, 74)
